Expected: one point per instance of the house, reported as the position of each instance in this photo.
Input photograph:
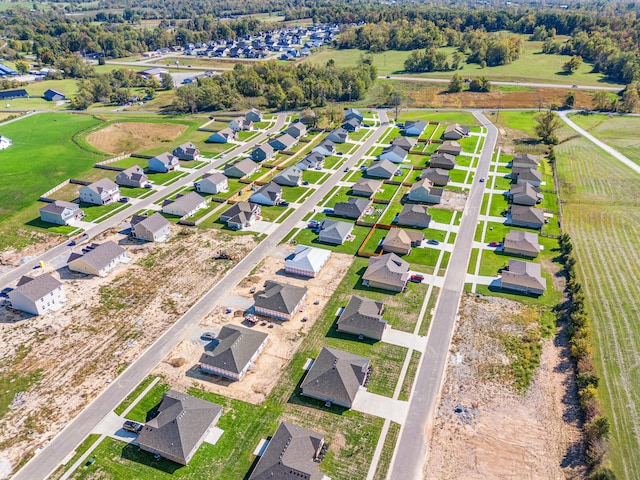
(400, 241)
(335, 377)
(184, 205)
(414, 216)
(289, 177)
(279, 300)
(326, 148)
(366, 187)
(240, 215)
(297, 130)
(61, 212)
(163, 163)
(350, 113)
(523, 277)
(37, 295)
(133, 177)
(239, 124)
(362, 317)
(283, 142)
(393, 153)
(311, 161)
(339, 135)
(388, 272)
(98, 259)
(437, 176)
(352, 125)
(443, 161)
(241, 168)
(223, 136)
(353, 208)
(455, 132)
(213, 183)
(423, 191)
(306, 261)
(451, 147)
(186, 151)
(53, 95)
(334, 232)
(406, 143)
(524, 244)
(524, 194)
(528, 175)
(381, 169)
(236, 349)
(153, 73)
(292, 454)
(269, 194)
(152, 229)
(522, 216)
(102, 192)
(179, 428)
(253, 115)
(5, 142)
(415, 128)
(524, 160)
(11, 94)
(262, 152)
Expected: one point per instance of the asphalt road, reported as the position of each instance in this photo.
(45, 462)
(411, 450)
(49, 255)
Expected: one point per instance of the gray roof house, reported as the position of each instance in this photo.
(102, 192)
(53, 95)
(297, 130)
(414, 216)
(335, 377)
(393, 153)
(352, 125)
(269, 194)
(37, 295)
(279, 300)
(423, 191)
(400, 241)
(525, 160)
(306, 261)
(186, 151)
(362, 317)
(223, 136)
(352, 208)
(339, 135)
(388, 272)
(334, 232)
(524, 244)
(241, 168)
(311, 161)
(528, 217)
(240, 123)
(98, 259)
(214, 182)
(184, 205)
(165, 162)
(524, 194)
(240, 215)
(289, 177)
(235, 350)
(326, 148)
(152, 229)
(525, 277)
(414, 128)
(455, 131)
(406, 143)
(291, 454)
(382, 169)
(366, 187)
(283, 142)
(253, 115)
(132, 177)
(451, 147)
(180, 427)
(526, 175)
(61, 212)
(442, 161)
(262, 152)
(350, 113)
(437, 176)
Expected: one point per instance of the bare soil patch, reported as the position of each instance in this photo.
(127, 137)
(483, 428)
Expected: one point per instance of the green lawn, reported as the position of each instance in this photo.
(93, 212)
(332, 161)
(307, 237)
(140, 412)
(164, 178)
(292, 194)
(618, 132)
(441, 215)
(313, 176)
(271, 213)
(457, 175)
(133, 395)
(387, 192)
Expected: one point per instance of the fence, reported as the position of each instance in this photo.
(55, 189)
(111, 160)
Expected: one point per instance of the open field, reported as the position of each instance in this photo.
(128, 137)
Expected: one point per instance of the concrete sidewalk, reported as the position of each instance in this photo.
(404, 339)
(379, 406)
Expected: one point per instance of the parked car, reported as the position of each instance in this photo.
(123, 199)
(318, 167)
(284, 203)
(481, 179)
(417, 278)
(132, 426)
(495, 244)
(328, 211)
(346, 169)
(148, 185)
(305, 183)
(208, 336)
(340, 153)
(433, 242)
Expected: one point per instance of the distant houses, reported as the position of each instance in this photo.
(339, 135)
(415, 128)
(253, 115)
(350, 113)
(297, 130)
(283, 142)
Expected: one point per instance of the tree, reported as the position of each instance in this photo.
(456, 84)
(187, 98)
(480, 84)
(601, 101)
(572, 65)
(546, 125)
(629, 99)
(570, 99)
(166, 81)
(22, 67)
(395, 100)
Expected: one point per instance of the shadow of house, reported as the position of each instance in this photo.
(135, 454)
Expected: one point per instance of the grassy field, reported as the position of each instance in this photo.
(620, 133)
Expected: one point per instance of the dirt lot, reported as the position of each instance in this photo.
(284, 337)
(126, 137)
(103, 327)
(484, 429)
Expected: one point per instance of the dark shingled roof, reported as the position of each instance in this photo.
(365, 315)
(280, 297)
(36, 288)
(236, 345)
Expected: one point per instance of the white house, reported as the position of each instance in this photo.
(306, 261)
(38, 295)
(214, 183)
(102, 192)
(184, 205)
(5, 142)
(98, 259)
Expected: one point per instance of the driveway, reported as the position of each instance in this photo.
(380, 406)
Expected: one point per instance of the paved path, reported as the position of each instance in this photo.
(48, 460)
(404, 339)
(380, 406)
(611, 151)
(411, 449)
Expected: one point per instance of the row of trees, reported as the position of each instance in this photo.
(479, 84)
